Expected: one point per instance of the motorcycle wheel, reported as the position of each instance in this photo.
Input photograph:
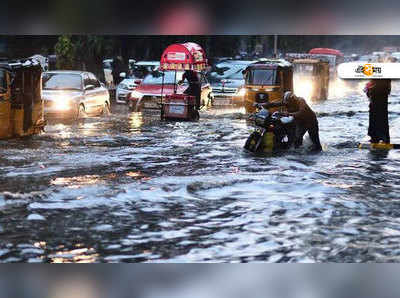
(252, 143)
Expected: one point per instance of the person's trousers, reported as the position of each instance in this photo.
(194, 91)
(378, 128)
(313, 131)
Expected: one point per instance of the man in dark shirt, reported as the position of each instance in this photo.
(304, 118)
(194, 88)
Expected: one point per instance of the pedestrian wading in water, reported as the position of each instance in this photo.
(194, 88)
(378, 91)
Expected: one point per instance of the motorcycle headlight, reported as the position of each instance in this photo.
(241, 92)
(136, 94)
(62, 103)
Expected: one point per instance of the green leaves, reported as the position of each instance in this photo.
(65, 51)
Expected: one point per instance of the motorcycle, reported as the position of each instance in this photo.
(269, 134)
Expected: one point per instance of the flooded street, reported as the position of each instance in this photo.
(130, 188)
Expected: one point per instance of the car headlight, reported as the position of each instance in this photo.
(123, 86)
(136, 94)
(62, 103)
(241, 92)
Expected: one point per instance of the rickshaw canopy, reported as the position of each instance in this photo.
(185, 56)
(326, 51)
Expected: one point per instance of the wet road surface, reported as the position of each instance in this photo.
(130, 188)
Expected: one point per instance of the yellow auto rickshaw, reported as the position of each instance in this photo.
(311, 78)
(267, 80)
(21, 105)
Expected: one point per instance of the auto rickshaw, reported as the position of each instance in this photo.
(335, 57)
(267, 80)
(21, 105)
(310, 76)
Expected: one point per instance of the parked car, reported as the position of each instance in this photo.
(125, 88)
(396, 55)
(73, 94)
(379, 53)
(148, 94)
(138, 70)
(227, 82)
(365, 58)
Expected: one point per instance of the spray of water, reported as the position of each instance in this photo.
(304, 87)
(339, 88)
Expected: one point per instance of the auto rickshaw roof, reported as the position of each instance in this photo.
(309, 61)
(12, 65)
(326, 51)
(183, 56)
(270, 64)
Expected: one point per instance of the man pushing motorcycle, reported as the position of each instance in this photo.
(299, 113)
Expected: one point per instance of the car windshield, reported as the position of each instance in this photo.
(234, 73)
(156, 78)
(238, 75)
(61, 81)
(261, 77)
(304, 68)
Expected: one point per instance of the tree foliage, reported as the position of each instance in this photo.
(65, 51)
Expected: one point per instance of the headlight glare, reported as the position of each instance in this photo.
(62, 103)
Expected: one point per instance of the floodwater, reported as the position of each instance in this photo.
(130, 188)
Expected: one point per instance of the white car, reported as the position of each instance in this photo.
(124, 88)
(380, 53)
(73, 94)
(396, 55)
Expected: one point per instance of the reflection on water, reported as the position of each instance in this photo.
(132, 188)
(79, 255)
(135, 121)
(74, 286)
(78, 181)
